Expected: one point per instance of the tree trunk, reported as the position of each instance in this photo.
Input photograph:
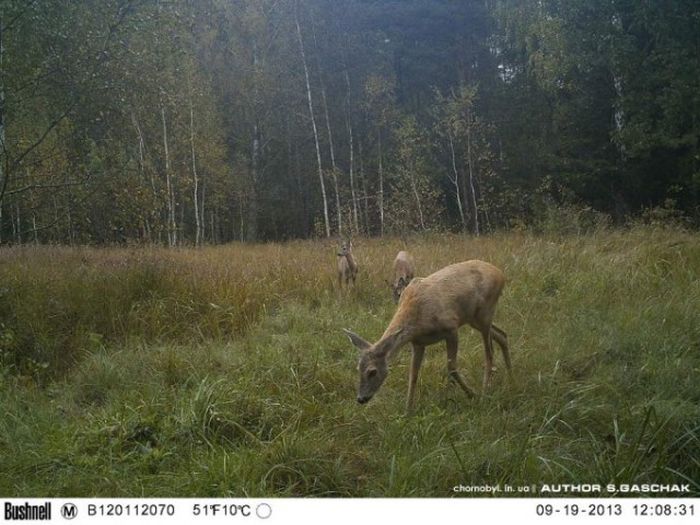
(348, 119)
(470, 164)
(202, 216)
(195, 181)
(212, 232)
(619, 114)
(414, 188)
(142, 170)
(172, 233)
(241, 221)
(313, 122)
(36, 235)
(365, 196)
(455, 182)
(251, 224)
(251, 229)
(18, 228)
(334, 169)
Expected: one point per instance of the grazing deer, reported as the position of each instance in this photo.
(347, 267)
(404, 271)
(432, 309)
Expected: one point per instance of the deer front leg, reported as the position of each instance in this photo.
(416, 361)
(452, 342)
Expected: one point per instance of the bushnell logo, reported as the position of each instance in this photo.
(27, 512)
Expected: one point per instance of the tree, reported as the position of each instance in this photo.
(379, 104)
(465, 136)
(188, 122)
(312, 118)
(414, 203)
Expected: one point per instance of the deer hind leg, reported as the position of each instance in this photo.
(488, 351)
(452, 342)
(416, 361)
(502, 339)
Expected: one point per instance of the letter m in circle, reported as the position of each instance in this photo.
(69, 511)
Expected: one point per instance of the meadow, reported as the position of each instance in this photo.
(223, 371)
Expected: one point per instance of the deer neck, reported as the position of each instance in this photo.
(393, 341)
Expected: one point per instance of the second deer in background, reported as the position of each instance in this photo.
(404, 272)
(347, 266)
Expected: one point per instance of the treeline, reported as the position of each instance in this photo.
(205, 121)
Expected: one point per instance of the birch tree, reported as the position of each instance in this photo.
(313, 119)
(379, 104)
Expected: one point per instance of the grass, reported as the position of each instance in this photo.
(223, 371)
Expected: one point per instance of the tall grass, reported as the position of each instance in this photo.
(223, 371)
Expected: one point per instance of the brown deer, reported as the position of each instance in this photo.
(432, 309)
(404, 271)
(347, 266)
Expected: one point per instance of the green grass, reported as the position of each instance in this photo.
(223, 371)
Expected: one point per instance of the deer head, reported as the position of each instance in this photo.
(372, 366)
(345, 248)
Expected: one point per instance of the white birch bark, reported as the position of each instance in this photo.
(470, 165)
(329, 131)
(170, 200)
(313, 123)
(455, 181)
(142, 169)
(195, 180)
(348, 118)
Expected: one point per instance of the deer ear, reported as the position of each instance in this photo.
(360, 343)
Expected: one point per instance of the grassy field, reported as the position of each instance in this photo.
(224, 371)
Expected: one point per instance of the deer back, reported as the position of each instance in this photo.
(455, 295)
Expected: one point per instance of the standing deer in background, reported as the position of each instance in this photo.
(432, 309)
(347, 267)
(404, 271)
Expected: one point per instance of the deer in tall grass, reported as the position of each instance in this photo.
(432, 309)
(347, 266)
(404, 271)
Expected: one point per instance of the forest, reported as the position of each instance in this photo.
(190, 122)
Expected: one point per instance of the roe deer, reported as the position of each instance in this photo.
(347, 267)
(404, 271)
(432, 309)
